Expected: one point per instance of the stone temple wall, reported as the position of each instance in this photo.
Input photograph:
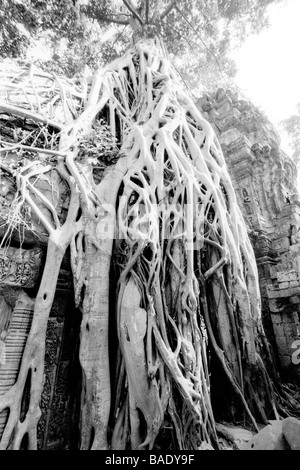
(20, 271)
(20, 274)
(264, 178)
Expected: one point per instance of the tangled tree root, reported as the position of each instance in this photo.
(153, 208)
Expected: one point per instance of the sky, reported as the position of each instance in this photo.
(269, 64)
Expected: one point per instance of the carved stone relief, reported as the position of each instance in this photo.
(13, 340)
(246, 201)
(19, 267)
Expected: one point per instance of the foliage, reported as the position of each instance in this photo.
(91, 32)
(291, 126)
(99, 147)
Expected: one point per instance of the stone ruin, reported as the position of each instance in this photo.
(265, 181)
(264, 178)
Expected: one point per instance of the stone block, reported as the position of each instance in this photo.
(294, 249)
(220, 95)
(294, 283)
(291, 275)
(240, 436)
(229, 136)
(279, 329)
(276, 293)
(225, 108)
(295, 318)
(290, 291)
(271, 287)
(284, 285)
(290, 330)
(276, 320)
(275, 306)
(283, 346)
(288, 316)
(291, 432)
(268, 438)
(282, 276)
(274, 272)
(282, 244)
(205, 446)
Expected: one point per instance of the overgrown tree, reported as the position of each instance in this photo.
(163, 269)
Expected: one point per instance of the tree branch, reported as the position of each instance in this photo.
(132, 9)
(111, 19)
(112, 48)
(25, 113)
(168, 9)
(198, 35)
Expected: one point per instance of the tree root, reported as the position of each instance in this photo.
(165, 221)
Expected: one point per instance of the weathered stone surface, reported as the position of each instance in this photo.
(291, 432)
(265, 181)
(20, 267)
(284, 276)
(268, 438)
(58, 426)
(13, 339)
(205, 446)
(239, 436)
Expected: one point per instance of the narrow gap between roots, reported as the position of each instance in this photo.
(25, 397)
(92, 437)
(25, 442)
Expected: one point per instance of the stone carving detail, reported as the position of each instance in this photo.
(246, 201)
(60, 398)
(13, 340)
(295, 235)
(20, 267)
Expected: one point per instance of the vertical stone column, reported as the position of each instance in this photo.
(14, 338)
(264, 178)
(19, 270)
